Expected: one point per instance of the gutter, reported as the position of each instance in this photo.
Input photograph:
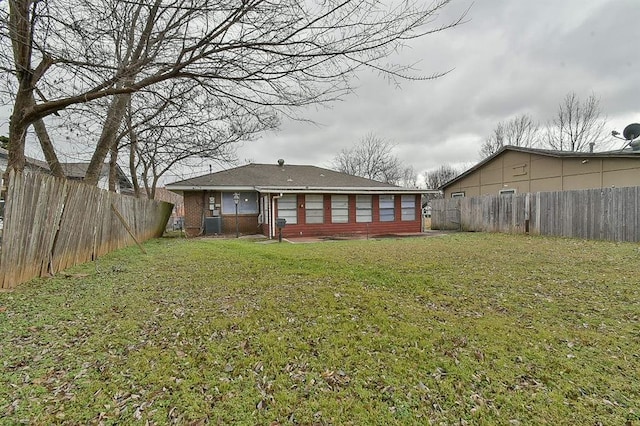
(301, 189)
(272, 219)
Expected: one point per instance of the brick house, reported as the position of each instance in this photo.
(313, 201)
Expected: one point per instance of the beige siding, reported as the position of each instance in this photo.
(548, 184)
(545, 167)
(576, 166)
(492, 172)
(621, 178)
(530, 172)
(491, 189)
(610, 164)
(581, 181)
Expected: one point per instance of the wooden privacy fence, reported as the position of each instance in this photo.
(600, 214)
(51, 224)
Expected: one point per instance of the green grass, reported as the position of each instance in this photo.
(458, 329)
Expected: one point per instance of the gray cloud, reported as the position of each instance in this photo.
(512, 57)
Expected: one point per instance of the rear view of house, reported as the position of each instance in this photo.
(313, 201)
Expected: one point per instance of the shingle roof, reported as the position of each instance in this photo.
(286, 177)
(72, 170)
(30, 161)
(79, 170)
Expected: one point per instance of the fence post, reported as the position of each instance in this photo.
(527, 211)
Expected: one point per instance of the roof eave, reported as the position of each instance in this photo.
(297, 189)
(338, 190)
(238, 188)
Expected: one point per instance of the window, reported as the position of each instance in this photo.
(314, 208)
(264, 210)
(386, 204)
(339, 208)
(457, 194)
(363, 208)
(288, 208)
(408, 207)
(248, 203)
(507, 191)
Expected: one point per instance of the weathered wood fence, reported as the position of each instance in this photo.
(599, 214)
(51, 224)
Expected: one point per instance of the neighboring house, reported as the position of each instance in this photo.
(77, 171)
(31, 163)
(517, 170)
(314, 201)
(74, 171)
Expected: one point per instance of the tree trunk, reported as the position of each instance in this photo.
(20, 32)
(154, 185)
(48, 149)
(113, 168)
(107, 139)
(17, 135)
(133, 146)
(145, 180)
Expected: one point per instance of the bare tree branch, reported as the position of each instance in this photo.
(373, 158)
(521, 130)
(264, 53)
(577, 126)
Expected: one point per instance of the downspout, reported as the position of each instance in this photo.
(204, 214)
(272, 223)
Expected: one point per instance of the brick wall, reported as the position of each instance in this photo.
(247, 224)
(193, 211)
(375, 227)
(197, 206)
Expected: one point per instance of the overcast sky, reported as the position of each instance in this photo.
(511, 57)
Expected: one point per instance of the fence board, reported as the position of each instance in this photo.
(51, 224)
(605, 214)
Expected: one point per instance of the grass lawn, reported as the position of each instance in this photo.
(457, 329)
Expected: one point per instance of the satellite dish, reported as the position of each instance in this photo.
(631, 132)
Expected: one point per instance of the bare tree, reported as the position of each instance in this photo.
(408, 177)
(438, 177)
(521, 130)
(577, 125)
(278, 54)
(181, 124)
(373, 158)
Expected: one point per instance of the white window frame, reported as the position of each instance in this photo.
(364, 208)
(387, 207)
(339, 208)
(263, 217)
(314, 208)
(457, 194)
(408, 207)
(288, 208)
